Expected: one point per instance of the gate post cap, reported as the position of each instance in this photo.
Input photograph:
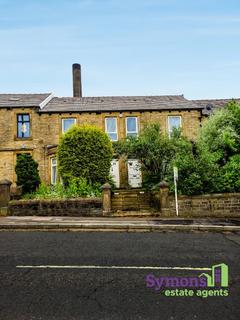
(106, 186)
(163, 184)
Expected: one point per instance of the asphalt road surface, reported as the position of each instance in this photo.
(93, 275)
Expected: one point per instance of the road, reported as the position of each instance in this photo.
(77, 286)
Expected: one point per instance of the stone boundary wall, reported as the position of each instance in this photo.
(56, 207)
(207, 205)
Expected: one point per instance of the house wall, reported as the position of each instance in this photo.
(46, 130)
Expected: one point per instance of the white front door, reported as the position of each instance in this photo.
(134, 173)
(114, 172)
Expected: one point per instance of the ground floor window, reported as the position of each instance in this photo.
(53, 171)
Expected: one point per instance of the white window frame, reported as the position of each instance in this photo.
(127, 132)
(115, 118)
(168, 122)
(51, 163)
(63, 119)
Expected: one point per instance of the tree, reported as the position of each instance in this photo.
(220, 134)
(86, 152)
(27, 173)
(197, 172)
(155, 151)
(158, 154)
(231, 174)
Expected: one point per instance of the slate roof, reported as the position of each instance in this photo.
(119, 103)
(209, 105)
(47, 103)
(22, 100)
(216, 103)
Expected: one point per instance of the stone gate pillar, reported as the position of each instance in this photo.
(106, 199)
(4, 196)
(163, 197)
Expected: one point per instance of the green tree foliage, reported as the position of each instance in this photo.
(153, 150)
(86, 152)
(198, 172)
(27, 173)
(231, 175)
(210, 164)
(220, 134)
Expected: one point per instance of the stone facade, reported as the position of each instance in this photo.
(46, 114)
(46, 130)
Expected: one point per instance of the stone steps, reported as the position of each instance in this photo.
(131, 200)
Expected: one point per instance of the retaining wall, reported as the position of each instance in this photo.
(208, 205)
(60, 207)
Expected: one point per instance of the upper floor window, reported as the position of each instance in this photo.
(67, 123)
(23, 125)
(174, 122)
(111, 128)
(131, 126)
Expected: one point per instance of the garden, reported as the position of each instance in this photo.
(209, 164)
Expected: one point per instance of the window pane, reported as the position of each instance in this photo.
(53, 171)
(25, 117)
(132, 134)
(68, 123)
(26, 129)
(54, 175)
(111, 125)
(174, 122)
(23, 129)
(131, 124)
(20, 130)
(112, 136)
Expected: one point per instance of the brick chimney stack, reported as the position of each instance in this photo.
(77, 81)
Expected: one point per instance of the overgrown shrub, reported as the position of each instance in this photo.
(77, 187)
(220, 134)
(210, 164)
(85, 152)
(197, 173)
(152, 148)
(27, 173)
(231, 175)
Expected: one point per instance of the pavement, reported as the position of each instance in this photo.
(149, 224)
(102, 275)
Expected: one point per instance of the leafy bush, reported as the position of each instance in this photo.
(152, 148)
(197, 173)
(210, 164)
(231, 174)
(219, 134)
(27, 173)
(85, 152)
(77, 187)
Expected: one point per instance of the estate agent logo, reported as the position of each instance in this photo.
(205, 285)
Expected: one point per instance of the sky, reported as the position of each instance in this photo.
(127, 47)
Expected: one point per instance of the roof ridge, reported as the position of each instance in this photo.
(146, 96)
(21, 94)
(218, 99)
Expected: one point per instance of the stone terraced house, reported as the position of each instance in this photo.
(33, 123)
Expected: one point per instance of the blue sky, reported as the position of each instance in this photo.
(134, 47)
